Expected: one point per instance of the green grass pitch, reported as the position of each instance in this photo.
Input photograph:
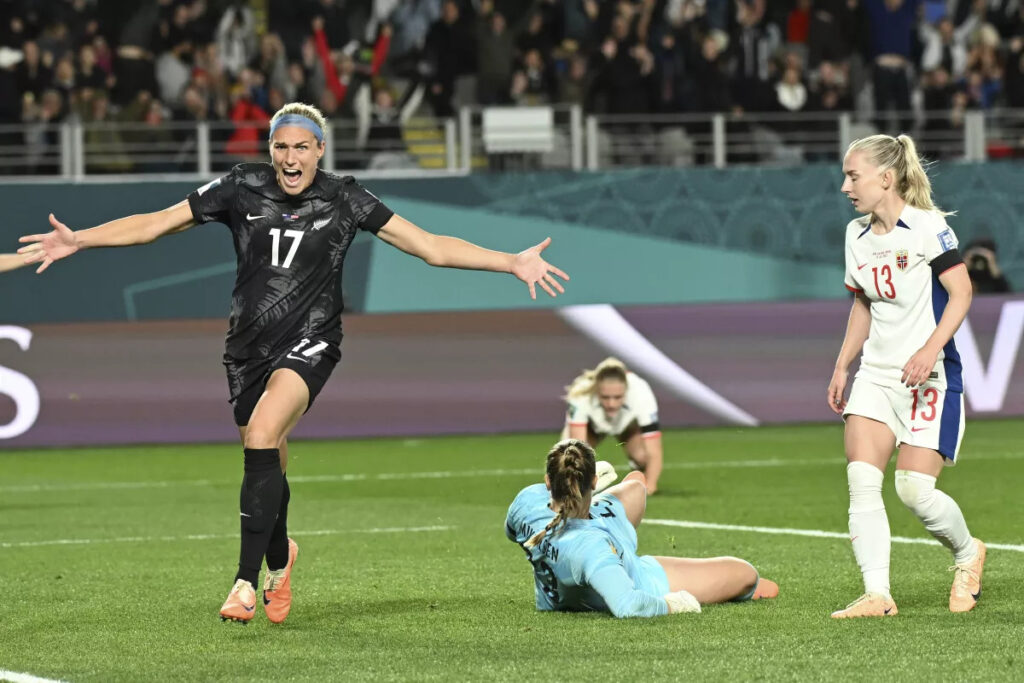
(114, 563)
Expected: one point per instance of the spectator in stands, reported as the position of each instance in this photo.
(248, 141)
(533, 83)
(574, 83)
(798, 23)
(134, 63)
(451, 52)
(412, 20)
(984, 77)
(754, 42)
(623, 68)
(836, 31)
(1014, 76)
(987, 277)
(32, 75)
(943, 111)
(495, 57)
(236, 38)
(891, 23)
(270, 61)
(945, 46)
(107, 142)
(380, 127)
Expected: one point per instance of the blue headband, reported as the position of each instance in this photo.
(300, 121)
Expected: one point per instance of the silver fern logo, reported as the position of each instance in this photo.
(320, 223)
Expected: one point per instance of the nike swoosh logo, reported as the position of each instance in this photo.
(249, 609)
(976, 595)
(265, 601)
(861, 266)
(888, 609)
(250, 217)
(918, 429)
(244, 515)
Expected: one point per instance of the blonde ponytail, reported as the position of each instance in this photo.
(900, 154)
(571, 468)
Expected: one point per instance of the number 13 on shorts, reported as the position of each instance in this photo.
(935, 420)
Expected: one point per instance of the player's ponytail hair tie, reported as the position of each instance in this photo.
(300, 121)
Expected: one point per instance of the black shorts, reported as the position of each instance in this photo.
(313, 360)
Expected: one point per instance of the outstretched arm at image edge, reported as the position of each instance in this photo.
(11, 262)
(45, 248)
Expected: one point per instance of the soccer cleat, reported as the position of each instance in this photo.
(766, 588)
(606, 475)
(966, 590)
(868, 605)
(277, 588)
(241, 603)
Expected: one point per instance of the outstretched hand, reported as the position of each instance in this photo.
(49, 247)
(533, 270)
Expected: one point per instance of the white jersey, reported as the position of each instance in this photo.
(899, 272)
(639, 406)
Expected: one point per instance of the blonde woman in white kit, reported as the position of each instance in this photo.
(911, 292)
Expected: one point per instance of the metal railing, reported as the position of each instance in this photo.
(81, 152)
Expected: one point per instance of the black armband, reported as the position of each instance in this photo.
(943, 262)
(651, 428)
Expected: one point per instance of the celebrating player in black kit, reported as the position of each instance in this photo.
(292, 224)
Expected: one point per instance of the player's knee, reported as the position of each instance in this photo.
(637, 476)
(914, 488)
(745, 577)
(258, 437)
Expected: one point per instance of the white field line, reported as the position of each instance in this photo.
(836, 461)
(15, 677)
(209, 537)
(814, 533)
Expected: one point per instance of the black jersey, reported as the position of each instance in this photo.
(290, 251)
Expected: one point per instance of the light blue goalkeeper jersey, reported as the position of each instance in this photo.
(588, 564)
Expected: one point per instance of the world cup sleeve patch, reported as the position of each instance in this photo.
(947, 240)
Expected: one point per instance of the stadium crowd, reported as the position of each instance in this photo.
(151, 61)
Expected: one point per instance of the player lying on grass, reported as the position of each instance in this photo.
(583, 547)
(610, 399)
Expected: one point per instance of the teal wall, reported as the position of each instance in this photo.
(626, 237)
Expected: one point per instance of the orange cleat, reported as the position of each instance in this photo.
(868, 605)
(966, 590)
(277, 588)
(240, 606)
(766, 589)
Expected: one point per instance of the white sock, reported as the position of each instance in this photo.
(940, 513)
(869, 526)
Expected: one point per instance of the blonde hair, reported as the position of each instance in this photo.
(302, 109)
(586, 383)
(900, 154)
(571, 468)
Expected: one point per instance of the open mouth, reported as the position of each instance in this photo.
(291, 176)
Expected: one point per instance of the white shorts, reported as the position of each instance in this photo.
(927, 416)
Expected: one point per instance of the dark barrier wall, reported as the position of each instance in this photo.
(648, 236)
(467, 372)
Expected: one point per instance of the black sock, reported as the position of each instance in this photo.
(277, 551)
(258, 503)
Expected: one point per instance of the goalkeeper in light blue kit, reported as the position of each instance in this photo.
(583, 547)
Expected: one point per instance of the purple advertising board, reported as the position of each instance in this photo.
(472, 372)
